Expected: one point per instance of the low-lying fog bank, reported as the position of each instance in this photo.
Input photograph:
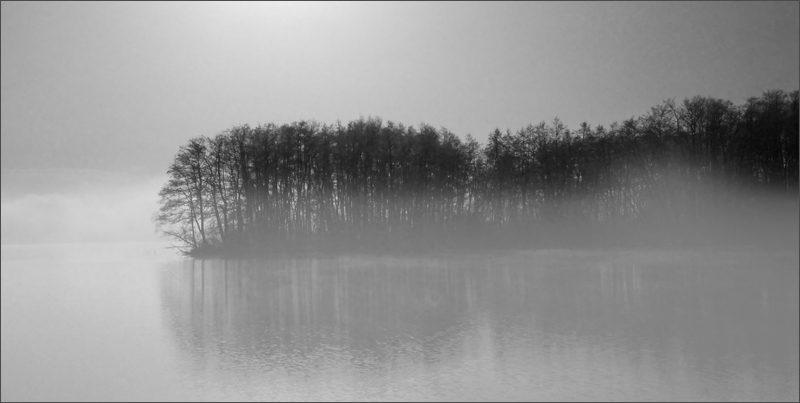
(770, 224)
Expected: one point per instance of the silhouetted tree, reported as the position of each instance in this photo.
(310, 184)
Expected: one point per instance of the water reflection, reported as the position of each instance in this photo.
(526, 326)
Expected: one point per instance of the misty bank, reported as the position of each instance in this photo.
(771, 229)
(702, 173)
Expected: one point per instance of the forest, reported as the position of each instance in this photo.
(702, 172)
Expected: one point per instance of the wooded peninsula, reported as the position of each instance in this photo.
(702, 172)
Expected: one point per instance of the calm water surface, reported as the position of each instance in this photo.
(137, 322)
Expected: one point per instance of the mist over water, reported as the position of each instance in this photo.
(524, 201)
(139, 321)
(373, 262)
(74, 206)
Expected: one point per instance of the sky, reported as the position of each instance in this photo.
(98, 96)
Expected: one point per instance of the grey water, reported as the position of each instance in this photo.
(138, 322)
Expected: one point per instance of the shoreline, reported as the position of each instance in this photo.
(550, 251)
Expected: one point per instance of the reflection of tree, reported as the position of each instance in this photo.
(308, 304)
(648, 312)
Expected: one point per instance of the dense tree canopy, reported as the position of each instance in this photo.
(374, 182)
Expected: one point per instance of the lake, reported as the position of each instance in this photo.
(139, 322)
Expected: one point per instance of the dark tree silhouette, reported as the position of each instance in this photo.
(370, 185)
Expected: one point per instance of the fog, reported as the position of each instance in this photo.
(363, 201)
(68, 206)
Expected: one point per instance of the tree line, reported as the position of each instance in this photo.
(368, 182)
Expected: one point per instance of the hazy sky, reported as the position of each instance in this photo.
(118, 87)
